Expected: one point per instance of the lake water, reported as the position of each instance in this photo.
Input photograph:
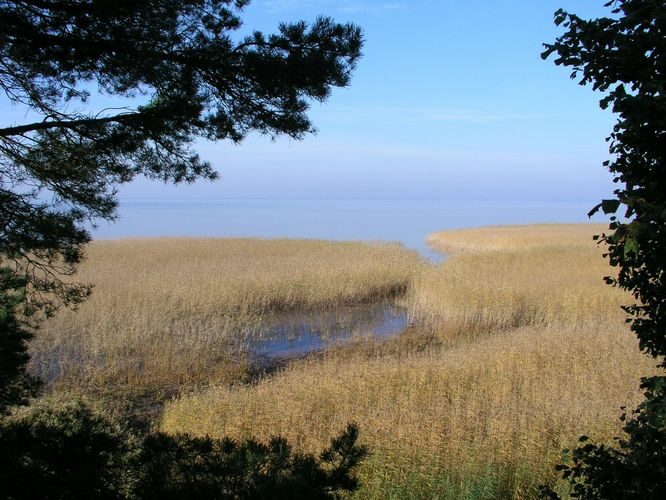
(298, 333)
(405, 221)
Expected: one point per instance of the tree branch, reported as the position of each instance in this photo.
(46, 125)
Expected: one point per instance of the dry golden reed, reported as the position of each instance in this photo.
(541, 275)
(494, 238)
(174, 311)
(532, 352)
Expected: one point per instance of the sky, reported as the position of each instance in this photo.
(451, 101)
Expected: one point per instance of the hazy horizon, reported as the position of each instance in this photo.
(406, 221)
(450, 101)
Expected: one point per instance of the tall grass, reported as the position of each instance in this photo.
(499, 238)
(542, 275)
(529, 351)
(170, 312)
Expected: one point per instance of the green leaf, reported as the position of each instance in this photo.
(630, 247)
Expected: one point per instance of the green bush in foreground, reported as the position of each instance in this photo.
(63, 453)
(72, 453)
(16, 384)
(181, 466)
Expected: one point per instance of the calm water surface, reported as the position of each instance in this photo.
(296, 334)
(405, 221)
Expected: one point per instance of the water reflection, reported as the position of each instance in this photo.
(288, 335)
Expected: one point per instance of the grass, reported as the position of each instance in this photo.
(170, 313)
(539, 275)
(500, 238)
(523, 348)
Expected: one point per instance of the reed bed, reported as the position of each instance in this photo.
(542, 276)
(498, 238)
(529, 352)
(170, 312)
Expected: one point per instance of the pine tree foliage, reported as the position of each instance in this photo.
(182, 71)
(16, 385)
(71, 452)
(195, 77)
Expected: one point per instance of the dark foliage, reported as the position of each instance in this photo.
(73, 453)
(193, 76)
(180, 59)
(68, 453)
(175, 467)
(16, 385)
(624, 56)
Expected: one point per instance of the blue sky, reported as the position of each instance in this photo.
(451, 101)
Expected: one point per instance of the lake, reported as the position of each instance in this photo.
(405, 221)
